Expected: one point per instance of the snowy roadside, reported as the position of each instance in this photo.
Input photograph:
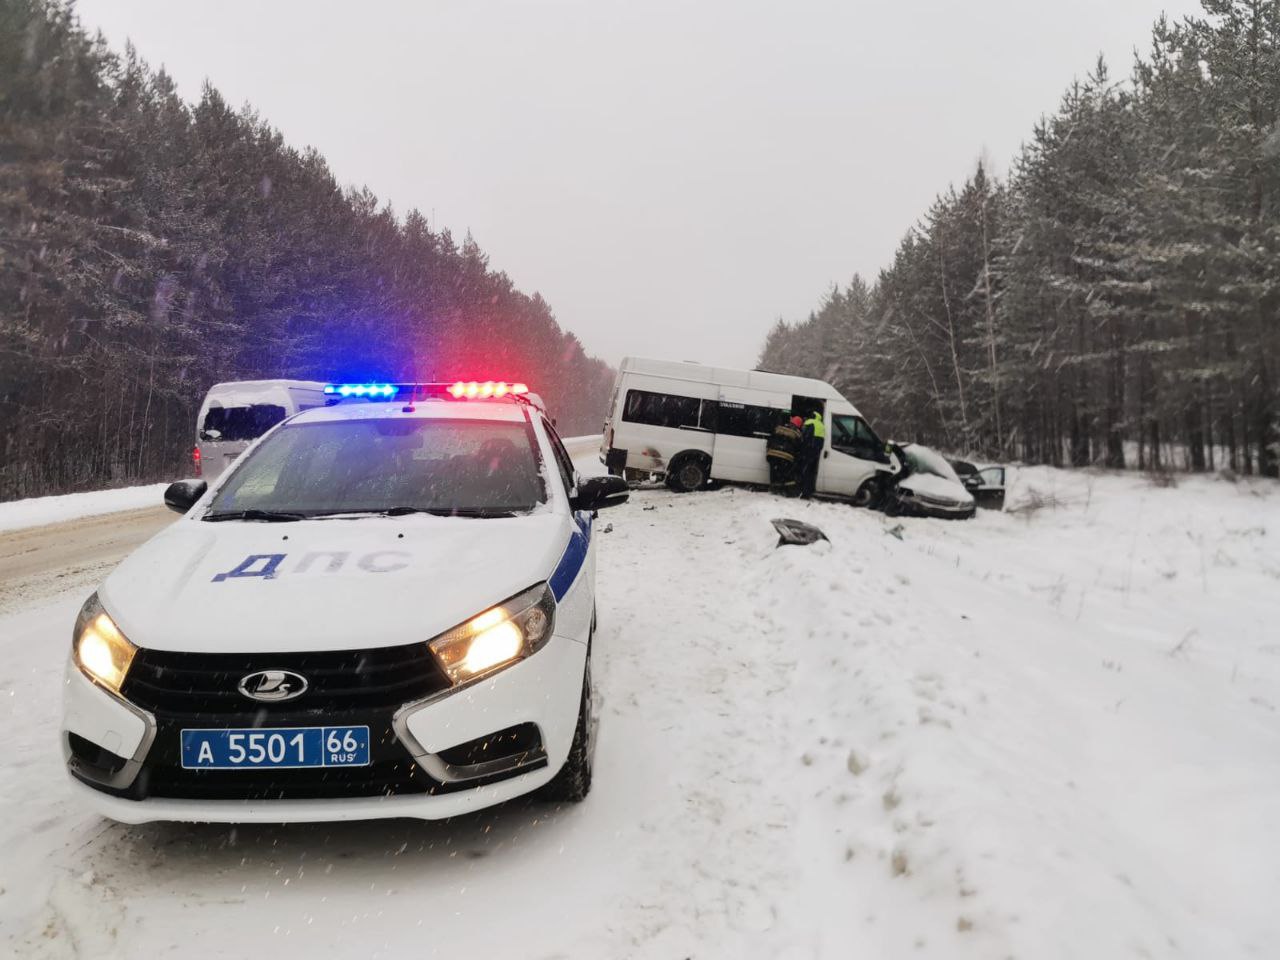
(1049, 733)
(41, 511)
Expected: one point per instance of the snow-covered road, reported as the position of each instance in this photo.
(1041, 735)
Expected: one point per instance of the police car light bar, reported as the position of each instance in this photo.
(461, 389)
(387, 390)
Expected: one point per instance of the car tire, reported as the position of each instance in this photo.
(573, 782)
(688, 472)
(869, 495)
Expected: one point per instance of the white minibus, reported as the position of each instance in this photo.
(694, 423)
(235, 414)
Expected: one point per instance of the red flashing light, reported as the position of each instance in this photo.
(195, 460)
(474, 389)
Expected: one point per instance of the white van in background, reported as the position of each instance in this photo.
(695, 423)
(235, 414)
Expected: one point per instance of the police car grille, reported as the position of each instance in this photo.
(186, 684)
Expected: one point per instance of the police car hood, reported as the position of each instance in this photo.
(335, 584)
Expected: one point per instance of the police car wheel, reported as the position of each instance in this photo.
(573, 782)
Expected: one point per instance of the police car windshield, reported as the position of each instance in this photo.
(474, 468)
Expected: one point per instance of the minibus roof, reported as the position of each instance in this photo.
(744, 379)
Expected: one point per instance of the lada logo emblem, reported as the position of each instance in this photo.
(272, 686)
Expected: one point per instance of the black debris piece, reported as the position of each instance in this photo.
(797, 532)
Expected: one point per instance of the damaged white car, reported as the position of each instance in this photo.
(927, 486)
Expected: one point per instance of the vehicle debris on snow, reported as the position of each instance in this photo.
(797, 532)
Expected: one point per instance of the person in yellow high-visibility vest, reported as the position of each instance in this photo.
(815, 438)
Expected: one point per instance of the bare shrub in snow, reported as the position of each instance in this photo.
(857, 763)
(898, 863)
(1033, 501)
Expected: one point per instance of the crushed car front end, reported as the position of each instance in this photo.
(928, 486)
(914, 503)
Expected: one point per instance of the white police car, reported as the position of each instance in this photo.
(385, 609)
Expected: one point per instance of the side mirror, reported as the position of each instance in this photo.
(596, 493)
(181, 496)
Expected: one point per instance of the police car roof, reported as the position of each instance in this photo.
(426, 409)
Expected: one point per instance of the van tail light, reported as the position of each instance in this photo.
(195, 460)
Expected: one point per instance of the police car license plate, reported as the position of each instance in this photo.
(275, 748)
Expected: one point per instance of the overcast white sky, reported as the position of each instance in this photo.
(672, 176)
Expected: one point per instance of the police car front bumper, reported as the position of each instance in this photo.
(431, 758)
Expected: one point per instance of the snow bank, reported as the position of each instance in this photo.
(1043, 734)
(584, 450)
(38, 511)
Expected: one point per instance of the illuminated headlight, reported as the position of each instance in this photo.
(100, 650)
(498, 637)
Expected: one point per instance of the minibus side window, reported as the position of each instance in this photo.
(661, 409)
(746, 420)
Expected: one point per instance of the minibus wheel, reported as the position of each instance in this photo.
(869, 495)
(688, 472)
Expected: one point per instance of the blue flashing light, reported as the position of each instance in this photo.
(372, 390)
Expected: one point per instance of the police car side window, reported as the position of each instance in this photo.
(563, 462)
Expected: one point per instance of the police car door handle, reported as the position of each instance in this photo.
(825, 454)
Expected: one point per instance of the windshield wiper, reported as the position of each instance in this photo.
(447, 512)
(267, 516)
(398, 511)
